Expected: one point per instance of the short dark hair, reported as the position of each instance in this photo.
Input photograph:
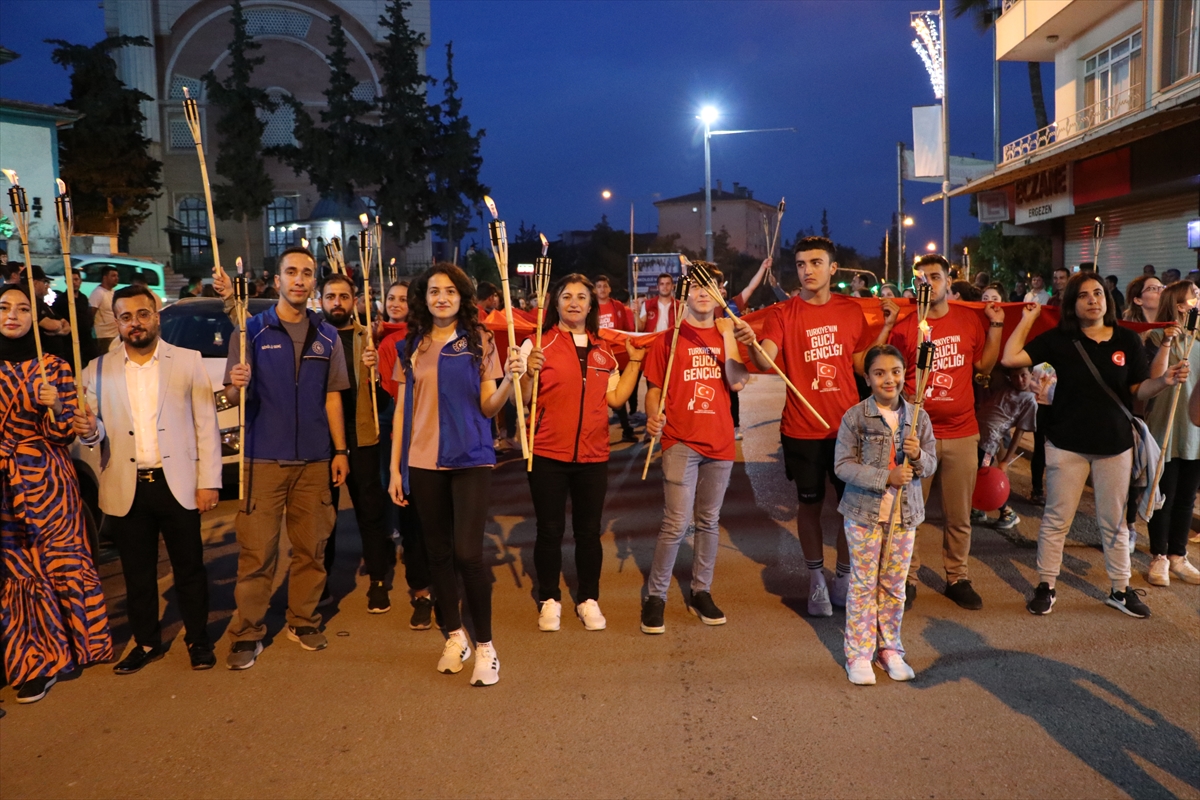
(1112, 278)
(338, 277)
(485, 291)
(133, 290)
(882, 350)
(107, 268)
(298, 251)
(933, 259)
(816, 243)
(1060, 269)
(666, 275)
(1068, 322)
(601, 277)
(967, 291)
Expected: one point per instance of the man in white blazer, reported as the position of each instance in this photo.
(150, 410)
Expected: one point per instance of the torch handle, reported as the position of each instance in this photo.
(33, 309)
(241, 312)
(64, 235)
(662, 400)
(533, 400)
(921, 381)
(1162, 456)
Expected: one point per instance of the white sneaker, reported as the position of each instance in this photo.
(456, 651)
(487, 666)
(1159, 573)
(549, 615)
(737, 434)
(894, 665)
(841, 588)
(818, 602)
(1184, 570)
(589, 614)
(860, 672)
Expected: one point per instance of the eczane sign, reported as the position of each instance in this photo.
(1045, 194)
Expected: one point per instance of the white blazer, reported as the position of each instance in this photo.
(189, 440)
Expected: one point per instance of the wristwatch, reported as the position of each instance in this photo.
(341, 452)
(997, 324)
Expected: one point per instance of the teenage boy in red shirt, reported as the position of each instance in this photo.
(697, 448)
(818, 339)
(962, 347)
(616, 315)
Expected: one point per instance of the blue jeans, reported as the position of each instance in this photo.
(693, 487)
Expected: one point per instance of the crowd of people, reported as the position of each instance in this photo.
(403, 415)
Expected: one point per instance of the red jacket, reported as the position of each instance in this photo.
(572, 413)
(652, 314)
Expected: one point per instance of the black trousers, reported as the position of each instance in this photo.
(453, 506)
(735, 408)
(1037, 462)
(370, 511)
(155, 510)
(551, 482)
(1171, 524)
(412, 539)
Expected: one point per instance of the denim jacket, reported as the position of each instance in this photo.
(861, 460)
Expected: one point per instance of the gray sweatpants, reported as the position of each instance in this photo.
(1066, 476)
(693, 486)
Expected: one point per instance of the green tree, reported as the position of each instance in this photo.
(340, 156)
(240, 128)
(1009, 258)
(105, 157)
(456, 161)
(406, 129)
(985, 13)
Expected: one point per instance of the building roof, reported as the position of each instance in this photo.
(718, 195)
(62, 116)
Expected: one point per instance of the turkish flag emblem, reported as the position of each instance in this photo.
(826, 371)
(1118, 358)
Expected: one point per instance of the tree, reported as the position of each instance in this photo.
(406, 129)
(240, 162)
(985, 13)
(105, 157)
(340, 157)
(1009, 258)
(456, 161)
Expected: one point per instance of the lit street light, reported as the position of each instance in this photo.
(931, 247)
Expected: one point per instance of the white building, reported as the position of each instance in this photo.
(189, 39)
(1125, 144)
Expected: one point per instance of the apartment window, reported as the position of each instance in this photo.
(193, 216)
(1112, 79)
(280, 213)
(1180, 41)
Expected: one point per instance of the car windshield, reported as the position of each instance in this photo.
(201, 326)
(91, 270)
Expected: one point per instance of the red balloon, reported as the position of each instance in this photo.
(991, 489)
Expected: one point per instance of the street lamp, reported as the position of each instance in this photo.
(607, 195)
(708, 115)
(931, 247)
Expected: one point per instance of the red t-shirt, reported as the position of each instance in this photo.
(698, 412)
(958, 340)
(614, 314)
(816, 345)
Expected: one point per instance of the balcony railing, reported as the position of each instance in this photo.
(1007, 5)
(1108, 109)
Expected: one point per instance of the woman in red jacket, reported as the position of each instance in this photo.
(579, 382)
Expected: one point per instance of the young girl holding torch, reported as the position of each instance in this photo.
(876, 458)
(579, 381)
(447, 369)
(697, 447)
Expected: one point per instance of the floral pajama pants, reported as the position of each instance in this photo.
(875, 601)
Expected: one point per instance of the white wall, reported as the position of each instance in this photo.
(28, 149)
(1068, 62)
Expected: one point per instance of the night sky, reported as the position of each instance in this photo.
(577, 97)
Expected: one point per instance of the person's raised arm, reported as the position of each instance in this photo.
(626, 386)
(1014, 349)
(735, 371)
(991, 346)
(743, 298)
(1152, 386)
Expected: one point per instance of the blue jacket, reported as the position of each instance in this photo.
(464, 433)
(285, 412)
(861, 459)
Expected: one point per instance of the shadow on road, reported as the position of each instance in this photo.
(1094, 719)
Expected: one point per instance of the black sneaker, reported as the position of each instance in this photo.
(910, 594)
(704, 608)
(1043, 600)
(35, 689)
(139, 657)
(1129, 602)
(422, 616)
(377, 598)
(202, 656)
(628, 436)
(966, 597)
(652, 615)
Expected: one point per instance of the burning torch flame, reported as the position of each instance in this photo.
(926, 330)
(545, 244)
(392, 263)
(781, 205)
(304, 242)
(238, 263)
(364, 219)
(62, 186)
(186, 94)
(11, 175)
(487, 201)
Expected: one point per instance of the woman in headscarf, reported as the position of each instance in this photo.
(52, 614)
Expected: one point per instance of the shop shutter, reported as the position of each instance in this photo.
(1150, 232)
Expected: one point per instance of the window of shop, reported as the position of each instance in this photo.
(193, 217)
(1112, 79)
(280, 213)
(1180, 47)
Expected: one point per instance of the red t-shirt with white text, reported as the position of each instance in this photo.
(816, 345)
(958, 341)
(614, 314)
(697, 411)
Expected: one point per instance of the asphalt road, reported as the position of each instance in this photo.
(1083, 703)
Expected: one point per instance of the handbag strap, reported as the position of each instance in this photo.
(1096, 374)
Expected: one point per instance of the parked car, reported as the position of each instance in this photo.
(90, 266)
(197, 323)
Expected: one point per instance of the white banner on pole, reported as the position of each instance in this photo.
(963, 170)
(927, 141)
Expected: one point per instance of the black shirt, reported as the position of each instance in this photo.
(350, 396)
(1083, 418)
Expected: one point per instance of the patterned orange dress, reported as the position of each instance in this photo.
(52, 614)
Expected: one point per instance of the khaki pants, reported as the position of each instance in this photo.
(302, 492)
(958, 461)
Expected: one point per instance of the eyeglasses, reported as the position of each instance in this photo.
(1146, 289)
(142, 315)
